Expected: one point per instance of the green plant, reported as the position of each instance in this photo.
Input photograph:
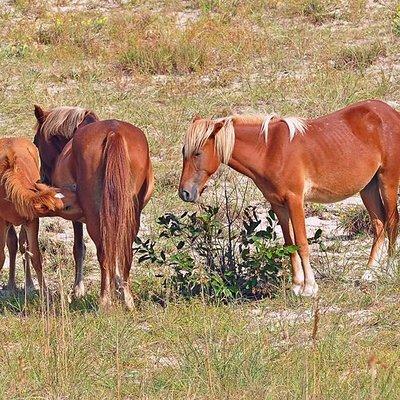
(218, 259)
(396, 21)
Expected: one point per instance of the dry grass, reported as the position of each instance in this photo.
(156, 64)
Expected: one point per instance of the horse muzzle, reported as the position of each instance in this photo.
(189, 195)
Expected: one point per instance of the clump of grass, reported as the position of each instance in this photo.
(316, 11)
(315, 210)
(396, 22)
(355, 221)
(164, 54)
(358, 57)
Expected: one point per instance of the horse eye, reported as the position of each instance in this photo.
(197, 154)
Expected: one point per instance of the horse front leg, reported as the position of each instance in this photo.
(32, 232)
(12, 245)
(297, 270)
(296, 211)
(79, 257)
(23, 243)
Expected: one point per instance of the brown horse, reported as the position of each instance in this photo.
(54, 130)
(23, 200)
(292, 161)
(107, 163)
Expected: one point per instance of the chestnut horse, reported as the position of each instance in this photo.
(23, 200)
(54, 130)
(293, 161)
(108, 164)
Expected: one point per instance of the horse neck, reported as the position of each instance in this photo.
(250, 150)
(49, 153)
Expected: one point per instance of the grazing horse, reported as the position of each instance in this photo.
(107, 163)
(23, 200)
(293, 161)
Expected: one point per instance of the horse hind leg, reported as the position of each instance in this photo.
(388, 187)
(79, 257)
(373, 203)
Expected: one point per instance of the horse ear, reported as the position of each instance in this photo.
(40, 114)
(217, 126)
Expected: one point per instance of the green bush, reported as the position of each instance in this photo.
(209, 255)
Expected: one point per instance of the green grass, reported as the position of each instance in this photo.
(189, 350)
(156, 64)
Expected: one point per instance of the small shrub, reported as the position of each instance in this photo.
(358, 57)
(202, 255)
(355, 221)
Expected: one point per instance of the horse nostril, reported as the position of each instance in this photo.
(185, 195)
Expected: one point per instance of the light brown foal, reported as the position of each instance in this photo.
(293, 161)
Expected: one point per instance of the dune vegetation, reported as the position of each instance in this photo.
(157, 64)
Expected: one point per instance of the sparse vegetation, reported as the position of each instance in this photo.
(156, 64)
(355, 221)
(358, 57)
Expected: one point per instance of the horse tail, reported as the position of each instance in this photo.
(118, 207)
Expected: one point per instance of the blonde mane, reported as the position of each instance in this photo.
(26, 200)
(201, 129)
(63, 121)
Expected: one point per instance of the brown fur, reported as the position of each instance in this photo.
(22, 201)
(323, 160)
(30, 199)
(108, 163)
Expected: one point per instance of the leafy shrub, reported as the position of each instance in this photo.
(217, 259)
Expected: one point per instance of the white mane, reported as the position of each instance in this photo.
(201, 129)
(294, 124)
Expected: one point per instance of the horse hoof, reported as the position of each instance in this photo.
(368, 276)
(11, 288)
(297, 289)
(79, 290)
(310, 290)
(30, 288)
(105, 304)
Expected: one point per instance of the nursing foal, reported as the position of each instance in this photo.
(23, 200)
(293, 161)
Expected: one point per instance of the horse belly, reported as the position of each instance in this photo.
(334, 190)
